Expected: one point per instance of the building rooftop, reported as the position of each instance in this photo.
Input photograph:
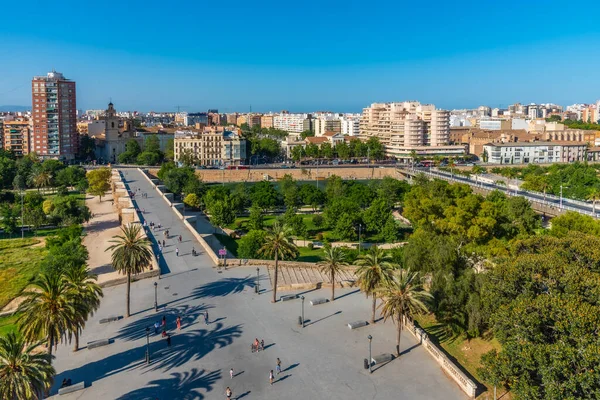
(533, 144)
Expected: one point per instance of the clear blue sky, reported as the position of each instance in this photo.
(303, 56)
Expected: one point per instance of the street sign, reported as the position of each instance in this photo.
(222, 252)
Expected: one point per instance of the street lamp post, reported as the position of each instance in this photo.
(302, 297)
(147, 345)
(561, 197)
(370, 362)
(22, 226)
(359, 244)
(257, 280)
(155, 297)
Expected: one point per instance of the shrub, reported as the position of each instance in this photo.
(310, 246)
(238, 224)
(319, 236)
(317, 220)
(250, 243)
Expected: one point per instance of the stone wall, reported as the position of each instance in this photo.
(463, 381)
(301, 174)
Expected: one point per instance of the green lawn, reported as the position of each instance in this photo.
(8, 324)
(308, 255)
(19, 264)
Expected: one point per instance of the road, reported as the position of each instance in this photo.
(550, 200)
(324, 360)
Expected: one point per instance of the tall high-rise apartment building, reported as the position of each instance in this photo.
(407, 126)
(294, 124)
(54, 113)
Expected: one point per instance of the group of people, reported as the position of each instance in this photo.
(163, 323)
(229, 392)
(258, 346)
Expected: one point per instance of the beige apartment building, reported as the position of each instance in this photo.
(266, 121)
(407, 126)
(16, 136)
(213, 146)
(250, 119)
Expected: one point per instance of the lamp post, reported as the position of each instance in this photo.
(257, 280)
(359, 229)
(22, 225)
(155, 297)
(147, 345)
(561, 195)
(370, 362)
(302, 297)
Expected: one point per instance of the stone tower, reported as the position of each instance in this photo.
(111, 120)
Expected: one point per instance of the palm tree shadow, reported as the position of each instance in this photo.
(181, 385)
(224, 287)
(137, 329)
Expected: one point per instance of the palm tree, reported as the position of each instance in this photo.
(451, 165)
(86, 292)
(24, 373)
(374, 271)
(403, 296)
(48, 311)
(594, 196)
(278, 244)
(130, 254)
(477, 170)
(334, 262)
(41, 179)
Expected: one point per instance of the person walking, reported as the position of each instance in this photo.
(177, 251)
(164, 243)
(231, 373)
(179, 238)
(228, 393)
(168, 340)
(206, 318)
(164, 321)
(278, 367)
(262, 345)
(271, 377)
(156, 326)
(178, 322)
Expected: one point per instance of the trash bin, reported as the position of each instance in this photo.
(366, 363)
(299, 321)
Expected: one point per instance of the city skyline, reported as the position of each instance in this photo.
(321, 57)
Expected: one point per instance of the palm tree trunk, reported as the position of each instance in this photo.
(399, 334)
(50, 344)
(332, 285)
(76, 347)
(374, 307)
(275, 279)
(128, 291)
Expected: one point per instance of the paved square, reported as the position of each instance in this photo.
(324, 360)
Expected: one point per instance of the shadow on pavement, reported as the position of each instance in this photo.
(224, 287)
(186, 385)
(320, 319)
(243, 395)
(291, 367)
(348, 294)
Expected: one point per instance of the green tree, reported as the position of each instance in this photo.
(99, 182)
(376, 216)
(40, 178)
(374, 271)
(264, 195)
(25, 373)
(131, 253)
(188, 158)
(148, 158)
(68, 210)
(297, 225)
(594, 196)
(403, 297)
(312, 150)
(70, 176)
(334, 262)
(192, 200)
(389, 231)
(317, 220)
(255, 219)
(278, 245)
(334, 188)
(132, 151)
(345, 227)
(298, 153)
(221, 213)
(376, 150)
(326, 150)
(250, 244)
(85, 293)
(48, 311)
(9, 218)
(164, 169)
(87, 148)
(343, 150)
(176, 179)
(307, 133)
(536, 183)
(310, 195)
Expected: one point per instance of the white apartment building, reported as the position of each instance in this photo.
(292, 123)
(403, 127)
(535, 152)
(350, 124)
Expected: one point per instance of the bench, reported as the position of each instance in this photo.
(110, 319)
(288, 297)
(71, 388)
(357, 324)
(98, 343)
(382, 358)
(320, 300)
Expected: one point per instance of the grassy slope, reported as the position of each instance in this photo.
(19, 264)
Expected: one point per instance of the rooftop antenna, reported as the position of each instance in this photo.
(179, 108)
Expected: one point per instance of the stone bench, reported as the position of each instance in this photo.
(316, 302)
(288, 297)
(382, 358)
(71, 388)
(98, 343)
(110, 319)
(357, 324)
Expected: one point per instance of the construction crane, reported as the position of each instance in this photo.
(179, 108)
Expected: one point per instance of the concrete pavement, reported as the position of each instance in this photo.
(324, 360)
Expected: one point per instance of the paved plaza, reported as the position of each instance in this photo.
(324, 360)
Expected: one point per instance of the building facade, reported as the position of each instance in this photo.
(266, 121)
(16, 134)
(322, 125)
(294, 124)
(54, 114)
(535, 152)
(350, 125)
(213, 146)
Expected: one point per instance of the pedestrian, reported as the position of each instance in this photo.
(256, 344)
(228, 393)
(164, 321)
(159, 248)
(271, 377)
(164, 243)
(278, 368)
(262, 345)
(178, 322)
(169, 340)
(164, 332)
(231, 373)
(156, 326)
(206, 318)
(179, 238)
(177, 251)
